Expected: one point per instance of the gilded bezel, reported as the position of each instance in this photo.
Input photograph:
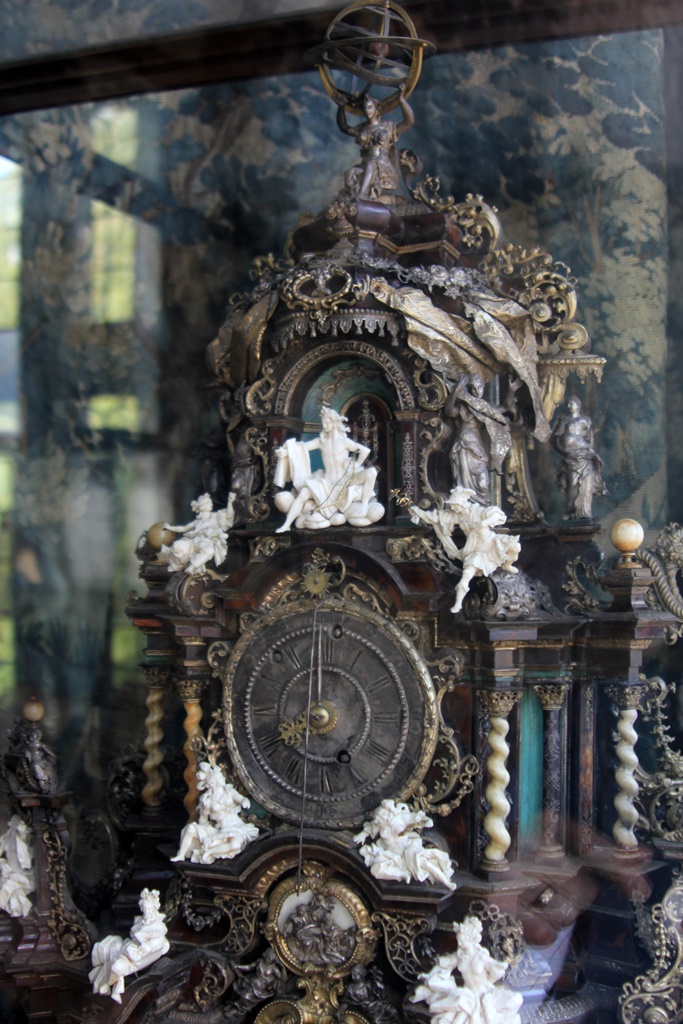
(326, 816)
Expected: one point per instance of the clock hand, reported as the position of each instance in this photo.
(320, 717)
(306, 738)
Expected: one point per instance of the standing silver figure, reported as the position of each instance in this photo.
(580, 473)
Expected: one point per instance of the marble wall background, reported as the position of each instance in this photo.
(570, 140)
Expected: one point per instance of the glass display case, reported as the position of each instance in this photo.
(163, 174)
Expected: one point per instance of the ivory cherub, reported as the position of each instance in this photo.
(202, 540)
(16, 868)
(114, 958)
(484, 550)
(219, 833)
(481, 1000)
(399, 853)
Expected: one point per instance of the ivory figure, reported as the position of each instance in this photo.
(202, 540)
(219, 833)
(114, 958)
(343, 491)
(481, 999)
(399, 853)
(484, 550)
(16, 868)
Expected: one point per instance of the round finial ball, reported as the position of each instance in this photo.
(157, 536)
(627, 535)
(33, 710)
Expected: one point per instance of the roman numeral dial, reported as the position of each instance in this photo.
(328, 707)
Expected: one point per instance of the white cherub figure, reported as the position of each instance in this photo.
(219, 833)
(484, 550)
(343, 491)
(399, 853)
(481, 1000)
(203, 539)
(16, 868)
(114, 958)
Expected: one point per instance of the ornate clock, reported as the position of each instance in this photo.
(329, 710)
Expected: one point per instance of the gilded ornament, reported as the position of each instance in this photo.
(69, 926)
(659, 795)
(263, 548)
(499, 703)
(656, 995)
(478, 221)
(320, 929)
(290, 383)
(552, 697)
(191, 690)
(318, 289)
(315, 581)
(405, 941)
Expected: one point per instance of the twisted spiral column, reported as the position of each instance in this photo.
(627, 702)
(191, 691)
(498, 706)
(157, 679)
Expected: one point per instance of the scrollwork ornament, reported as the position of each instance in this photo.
(411, 629)
(180, 899)
(660, 795)
(218, 656)
(454, 773)
(263, 548)
(318, 289)
(478, 222)
(435, 439)
(190, 595)
(655, 997)
(540, 284)
(586, 596)
(407, 549)
(67, 924)
(243, 913)
(427, 192)
(212, 747)
(259, 400)
(665, 563)
(447, 669)
(504, 934)
(125, 780)
(431, 388)
(403, 936)
(216, 979)
(510, 599)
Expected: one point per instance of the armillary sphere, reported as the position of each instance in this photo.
(370, 44)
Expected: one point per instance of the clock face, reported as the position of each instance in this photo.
(328, 711)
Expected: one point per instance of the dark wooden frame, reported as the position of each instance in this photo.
(190, 59)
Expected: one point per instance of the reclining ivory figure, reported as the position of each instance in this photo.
(343, 491)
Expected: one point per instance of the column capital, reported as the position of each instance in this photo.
(499, 702)
(551, 695)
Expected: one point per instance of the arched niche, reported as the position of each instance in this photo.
(364, 383)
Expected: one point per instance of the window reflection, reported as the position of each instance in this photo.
(10, 300)
(112, 265)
